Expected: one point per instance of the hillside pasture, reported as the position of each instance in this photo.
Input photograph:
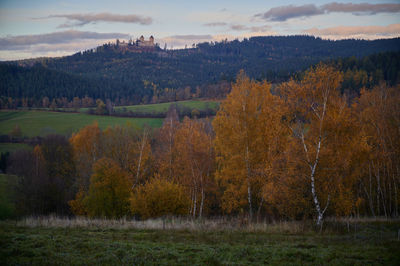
(163, 107)
(42, 123)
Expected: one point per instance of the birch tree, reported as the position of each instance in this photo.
(322, 128)
(242, 125)
(165, 157)
(193, 145)
(378, 112)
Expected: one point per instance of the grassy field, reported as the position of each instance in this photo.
(11, 147)
(25, 243)
(163, 107)
(40, 123)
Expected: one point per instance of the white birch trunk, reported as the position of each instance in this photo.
(140, 157)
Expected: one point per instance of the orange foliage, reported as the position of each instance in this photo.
(193, 146)
(325, 146)
(249, 135)
(87, 148)
(159, 197)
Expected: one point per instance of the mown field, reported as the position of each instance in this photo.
(159, 108)
(11, 147)
(163, 107)
(41, 123)
(23, 244)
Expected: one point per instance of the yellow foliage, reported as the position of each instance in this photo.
(78, 204)
(87, 148)
(159, 197)
(249, 136)
(109, 190)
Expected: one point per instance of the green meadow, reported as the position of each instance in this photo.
(41, 123)
(11, 147)
(163, 107)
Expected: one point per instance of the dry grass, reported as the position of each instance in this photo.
(170, 223)
(332, 225)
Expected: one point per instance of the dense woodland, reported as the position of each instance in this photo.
(307, 150)
(123, 77)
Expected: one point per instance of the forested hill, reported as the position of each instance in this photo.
(109, 71)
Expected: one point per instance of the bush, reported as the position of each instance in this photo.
(159, 197)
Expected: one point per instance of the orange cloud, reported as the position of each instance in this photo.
(367, 32)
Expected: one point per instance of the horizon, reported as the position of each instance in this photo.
(113, 42)
(52, 29)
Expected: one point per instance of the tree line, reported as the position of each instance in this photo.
(304, 151)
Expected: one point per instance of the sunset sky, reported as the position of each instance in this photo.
(55, 28)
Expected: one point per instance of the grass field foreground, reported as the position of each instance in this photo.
(41, 123)
(107, 242)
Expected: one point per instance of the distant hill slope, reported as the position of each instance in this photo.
(111, 72)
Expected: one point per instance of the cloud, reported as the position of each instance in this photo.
(180, 41)
(283, 13)
(364, 32)
(191, 37)
(239, 27)
(62, 37)
(77, 20)
(215, 24)
(51, 50)
(362, 8)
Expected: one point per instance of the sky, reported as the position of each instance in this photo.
(38, 28)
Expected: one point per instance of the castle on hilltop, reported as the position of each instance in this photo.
(142, 43)
(136, 46)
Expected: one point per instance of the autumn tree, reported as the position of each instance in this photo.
(324, 138)
(143, 156)
(378, 113)
(57, 153)
(100, 107)
(29, 167)
(46, 177)
(130, 148)
(164, 153)
(87, 149)
(247, 129)
(193, 143)
(109, 190)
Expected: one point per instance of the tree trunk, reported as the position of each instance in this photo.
(140, 157)
(248, 184)
(202, 202)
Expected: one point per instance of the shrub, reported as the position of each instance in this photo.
(159, 197)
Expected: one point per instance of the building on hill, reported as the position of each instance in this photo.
(142, 43)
